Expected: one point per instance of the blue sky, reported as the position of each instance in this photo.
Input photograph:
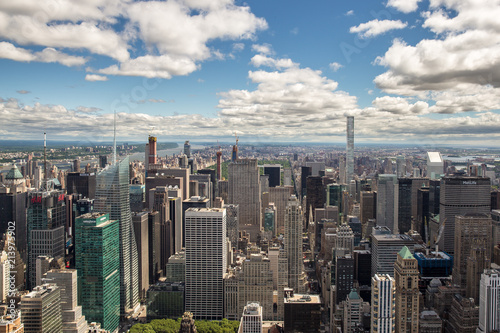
(408, 70)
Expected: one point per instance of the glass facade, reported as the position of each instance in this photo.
(165, 300)
(112, 196)
(98, 264)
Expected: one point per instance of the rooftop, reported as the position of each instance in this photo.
(300, 298)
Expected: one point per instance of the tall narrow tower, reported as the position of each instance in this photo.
(152, 149)
(350, 150)
(406, 277)
(112, 196)
(383, 311)
(293, 241)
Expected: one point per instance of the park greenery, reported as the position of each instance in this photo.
(172, 326)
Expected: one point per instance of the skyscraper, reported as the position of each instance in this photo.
(406, 278)
(350, 150)
(387, 199)
(112, 196)
(244, 190)
(251, 320)
(489, 301)
(41, 309)
(98, 265)
(205, 262)
(383, 304)
(293, 241)
(459, 196)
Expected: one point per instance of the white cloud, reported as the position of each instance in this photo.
(261, 60)
(335, 66)
(349, 13)
(95, 77)
(238, 47)
(405, 6)
(265, 49)
(23, 92)
(9, 51)
(376, 27)
(176, 32)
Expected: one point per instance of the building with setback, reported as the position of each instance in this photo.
(407, 294)
(41, 309)
(244, 190)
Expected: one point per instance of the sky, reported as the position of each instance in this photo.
(409, 71)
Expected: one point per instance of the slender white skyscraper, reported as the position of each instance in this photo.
(489, 301)
(293, 241)
(383, 304)
(206, 262)
(350, 150)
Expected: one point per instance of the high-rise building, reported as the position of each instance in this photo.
(489, 302)
(407, 294)
(464, 315)
(41, 309)
(112, 196)
(344, 277)
(98, 265)
(404, 205)
(459, 196)
(368, 205)
(251, 319)
(293, 241)
(383, 304)
(187, 149)
(154, 246)
(46, 224)
(165, 300)
(279, 196)
(206, 262)
(244, 190)
(81, 183)
(72, 319)
(302, 313)
(350, 150)
(385, 247)
(175, 270)
(274, 172)
(387, 200)
(468, 228)
(140, 222)
(435, 165)
(353, 313)
(315, 196)
(305, 171)
(430, 322)
(4, 276)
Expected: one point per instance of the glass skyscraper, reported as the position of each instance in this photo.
(112, 196)
(97, 261)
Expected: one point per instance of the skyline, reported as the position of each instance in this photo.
(422, 72)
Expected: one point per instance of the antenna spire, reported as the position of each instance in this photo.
(114, 139)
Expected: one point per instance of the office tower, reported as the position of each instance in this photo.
(187, 149)
(255, 284)
(459, 196)
(435, 165)
(404, 205)
(11, 323)
(305, 172)
(293, 241)
(302, 313)
(176, 220)
(350, 150)
(72, 319)
(489, 301)
(287, 177)
(317, 168)
(244, 190)
(423, 216)
(274, 172)
(383, 304)
(231, 295)
(169, 176)
(344, 277)
(76, 165)
(430, 322)
(270, 220)
(4, 276)
(362, 265)
(41, 309)
(464, 315)
(103, 161)
(150, 159)
(154, 246)
(137, 194)
(387, 200)
(219, 165)
(16, 267)
(468, 227)
(112, 197)
(400, 166)
(385, 247)
(356, 227)
(353, 313)
(13, 207)
(232, 225)
(46, 221)
(315, 196)
(205, 262)
(251, 319)
(98, 264)
(367, 205)
(81, 183)
(279, 196)
(477, 261)
(407, 294)
(141, 233)
(175, 270)
(434, 196)
(165, 300)
(434, 264)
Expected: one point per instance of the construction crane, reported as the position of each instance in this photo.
(440, 234)
(151, 130)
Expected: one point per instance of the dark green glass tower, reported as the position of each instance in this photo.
(98, 265)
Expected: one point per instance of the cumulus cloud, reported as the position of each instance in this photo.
(349, 13)
(95, 77)
(265, 49)
(405, 6)
(377, 27)
(261, 60)
(335, 66)
(175, 33)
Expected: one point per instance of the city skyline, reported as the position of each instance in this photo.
(408, 71)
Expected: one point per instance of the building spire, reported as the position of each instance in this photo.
(114, 139)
